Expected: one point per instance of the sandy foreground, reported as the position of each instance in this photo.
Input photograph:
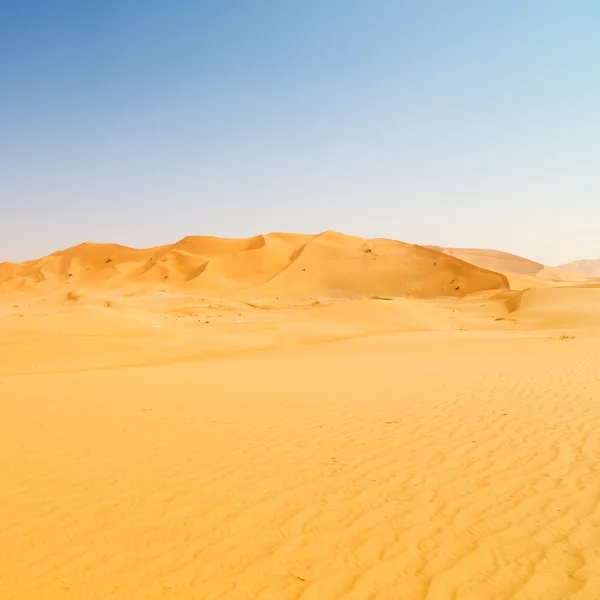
(170, 446)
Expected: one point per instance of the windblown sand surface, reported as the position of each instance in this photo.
(273, 438)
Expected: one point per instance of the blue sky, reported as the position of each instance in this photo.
(460, 123)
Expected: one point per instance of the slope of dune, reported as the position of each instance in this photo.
(8, 270)
(590, 267)
(523, 282)
(560, 274)
(329, 264)
(337, 265)
(495, 260)
(567, 307)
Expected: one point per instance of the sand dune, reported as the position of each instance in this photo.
(528, 272)
(494, 260)
(293, 265)
(297, 418)
(563, 307)
(590, 267)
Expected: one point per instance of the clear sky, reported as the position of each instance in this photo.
(459, 123)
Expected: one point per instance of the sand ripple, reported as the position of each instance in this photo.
(411, 467)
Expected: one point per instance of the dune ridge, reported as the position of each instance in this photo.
(292, 265)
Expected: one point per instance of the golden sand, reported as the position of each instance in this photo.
(247, 429)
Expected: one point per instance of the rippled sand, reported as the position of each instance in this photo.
(357, 450)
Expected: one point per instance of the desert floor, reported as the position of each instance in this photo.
(164, 446)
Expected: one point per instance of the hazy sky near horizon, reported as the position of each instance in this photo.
(459, 123)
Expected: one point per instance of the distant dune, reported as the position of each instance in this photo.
(330, 264)
(513, 265)
(590, 267)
